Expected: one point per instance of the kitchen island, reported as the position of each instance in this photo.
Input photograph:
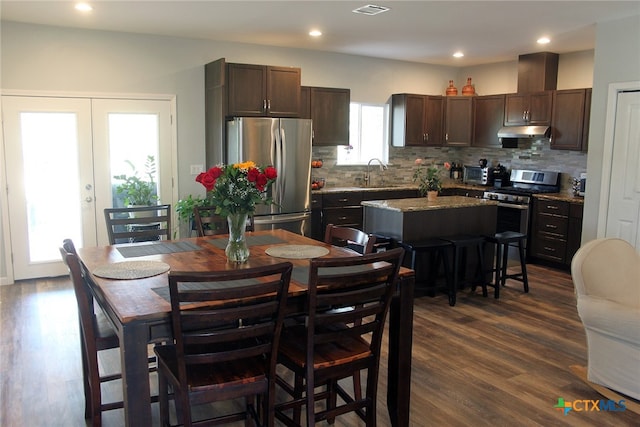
(419, 219)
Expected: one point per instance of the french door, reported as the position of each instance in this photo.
(61, 157)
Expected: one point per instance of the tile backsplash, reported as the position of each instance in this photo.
(530, 154)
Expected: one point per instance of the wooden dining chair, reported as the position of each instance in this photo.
(352, 238)
(96, 334)
(332, 345)
(226, 335)
(208, 223)
(138, 223)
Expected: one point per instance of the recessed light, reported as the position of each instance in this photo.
(458, 55)
(83, 7)
(315, 33)
(544, 40)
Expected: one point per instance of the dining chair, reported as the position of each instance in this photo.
(333, 344)
(226, 328)
(360, 242)
(208, 223)
(96, 334)
(138, 223)
(352, 238)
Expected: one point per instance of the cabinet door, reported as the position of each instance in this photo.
(283, 91)
(330, 114)
(305, 102)
(567, 119)
(586, 121)
(488, 117)
(539, 111)
(515, 109)
(433, 120)
(246, 89)
(458, 120)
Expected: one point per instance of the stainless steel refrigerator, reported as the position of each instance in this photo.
(285, 144)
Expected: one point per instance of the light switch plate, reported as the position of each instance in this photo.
(196, 169)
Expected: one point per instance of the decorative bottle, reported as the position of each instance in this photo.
(468, 89)
(451, 90)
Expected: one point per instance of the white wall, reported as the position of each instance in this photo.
(44, 59)
(616, 59)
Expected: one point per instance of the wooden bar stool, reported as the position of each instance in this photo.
(502, 241)
(461, 244)
(433, 247)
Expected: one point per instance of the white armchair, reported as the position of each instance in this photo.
(606, 275)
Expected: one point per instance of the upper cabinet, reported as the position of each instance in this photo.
(329, 110)
(537, 72)
(458, 120)
(488, 118)
(524, 109)
(263, 91)
(416, 120)
(570, 121)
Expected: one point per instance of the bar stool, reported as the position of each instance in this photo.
(434, 247)
(502, 241)
(460, 245)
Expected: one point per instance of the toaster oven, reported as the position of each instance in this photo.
(475, 175)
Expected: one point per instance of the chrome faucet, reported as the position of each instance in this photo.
(367, 177)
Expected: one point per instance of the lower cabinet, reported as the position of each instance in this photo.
(343, 208)
(556, 230)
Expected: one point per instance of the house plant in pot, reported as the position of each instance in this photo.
(428, 178)
(138, 190)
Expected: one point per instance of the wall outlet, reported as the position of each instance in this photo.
(196, 169)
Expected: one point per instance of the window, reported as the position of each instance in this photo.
(367, 135)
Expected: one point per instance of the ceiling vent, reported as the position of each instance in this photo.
(370, 9)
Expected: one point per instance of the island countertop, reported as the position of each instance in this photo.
(423, 204)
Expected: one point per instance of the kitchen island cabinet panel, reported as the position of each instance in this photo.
(556, 230)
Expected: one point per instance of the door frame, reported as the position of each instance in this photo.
(607, 153)
(7, 276)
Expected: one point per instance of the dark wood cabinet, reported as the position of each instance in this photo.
(488, 118)
(260, 90)
(524, 109)
(557, 230)
(568, 130)
(458, 120)
(329, 110)
(317, 232)
(537, 71)
(416, 120)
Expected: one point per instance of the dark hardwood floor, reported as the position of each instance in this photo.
(484, 362)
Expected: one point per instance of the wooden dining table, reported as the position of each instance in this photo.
(139, 308)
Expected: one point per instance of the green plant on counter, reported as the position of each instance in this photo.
(428, 178)
(139, 191)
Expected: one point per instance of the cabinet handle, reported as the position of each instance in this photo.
(342, 218)
(528, 115)
(264, 105)
(446, 136)
(268, 104)
(551, 226)
(427, 135)
(547, 248)
(555, 208)
(343, 200)
(524, 115)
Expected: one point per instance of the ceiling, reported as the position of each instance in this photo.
(417, 31)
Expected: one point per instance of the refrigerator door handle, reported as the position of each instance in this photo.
(276, 160)
(283, 162)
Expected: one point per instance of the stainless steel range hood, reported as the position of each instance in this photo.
(524, 132)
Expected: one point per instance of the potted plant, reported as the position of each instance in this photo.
(428, 178)
(138, 191)
(185, 209)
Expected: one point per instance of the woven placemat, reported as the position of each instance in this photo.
(131, 269)
(296, 251)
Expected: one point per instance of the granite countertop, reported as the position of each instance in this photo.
(423, 204)
(564, 197)
(329, 190)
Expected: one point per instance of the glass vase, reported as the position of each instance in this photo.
(237, 250)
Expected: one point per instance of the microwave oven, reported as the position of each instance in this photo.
(582, 185)
(475, 175)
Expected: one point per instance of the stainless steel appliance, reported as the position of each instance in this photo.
(514, 202)
(583, 184)
(285, 144)
(475, 175)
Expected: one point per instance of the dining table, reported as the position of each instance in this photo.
(130, 283)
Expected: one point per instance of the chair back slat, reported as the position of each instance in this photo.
(208, 223)
(352, 238)
(231, 316)
(359, 299)
(138, 224)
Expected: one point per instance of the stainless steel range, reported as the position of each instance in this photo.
(514, 202)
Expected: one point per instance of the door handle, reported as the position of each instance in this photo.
(88, 199)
